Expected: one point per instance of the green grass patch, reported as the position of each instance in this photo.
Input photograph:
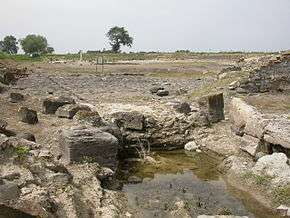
(22, 151)
(260, 180)
(282, 195)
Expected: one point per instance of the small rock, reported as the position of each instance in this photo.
(154, 90)
(105, 173)
(51, 104)
(162, 93)
(3, 124)
(191, 146)
(129, 120)
(28, 115)
(283, 210)
(70, 110)
(16, 97)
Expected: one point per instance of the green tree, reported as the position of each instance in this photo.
(9, 45)
(119, 36)
(49, 50)
(34, 44)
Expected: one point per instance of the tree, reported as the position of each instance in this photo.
(49, 50)
(119, 36)
(34, 44)
(9, 45)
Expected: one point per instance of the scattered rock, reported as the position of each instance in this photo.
(213, 106)
(3, 141)
(70, 110)
(191, 146)
(84, 144)
(16, 97)
(154, 90)
(51, 104)
(162, 93)
(129, 120)
(28, 115)
(3, 125)
(27, 136)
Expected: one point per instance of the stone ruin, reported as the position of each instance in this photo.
(265, 74)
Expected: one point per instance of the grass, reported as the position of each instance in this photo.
(113, 57)
(259, 180)
(22, 151)
(282, 195)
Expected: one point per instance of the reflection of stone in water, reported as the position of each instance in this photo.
(6, 212)
(191, 180)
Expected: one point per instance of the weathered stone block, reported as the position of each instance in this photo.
(80, 144)
(70, 110)
(50, 105)
(213, 106)
(89, 118)
(28, 115)
(129, 120)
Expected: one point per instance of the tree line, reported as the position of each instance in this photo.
(32, 44)
(36, 44)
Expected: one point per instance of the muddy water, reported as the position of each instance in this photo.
(187, 179)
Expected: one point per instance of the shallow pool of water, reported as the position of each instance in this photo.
(153, 190)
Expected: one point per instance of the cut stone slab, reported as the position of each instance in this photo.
(16, 97)
(277, 132)
(250, 145)
(70, 110)
(213, 106)
(28, 115)
(129, 120)
(80, 144)
(51, 104)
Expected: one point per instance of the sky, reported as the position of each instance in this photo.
(156, 25)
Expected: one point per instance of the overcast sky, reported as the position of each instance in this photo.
(159, 25)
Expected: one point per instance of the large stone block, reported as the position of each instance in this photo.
(27, 115)
(246, 119)
(50, 105)
(80, 144)
(130, 120)
(213, 106)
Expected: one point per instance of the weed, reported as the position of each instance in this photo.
(282, 195)
(22, 151)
